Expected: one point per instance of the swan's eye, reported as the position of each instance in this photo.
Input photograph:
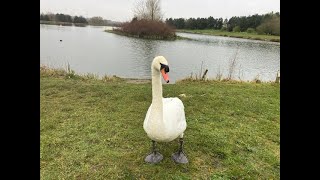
(166, 67)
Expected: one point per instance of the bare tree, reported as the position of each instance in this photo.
(139, 10)
(148, 9)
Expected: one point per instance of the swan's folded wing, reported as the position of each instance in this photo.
(174, 115)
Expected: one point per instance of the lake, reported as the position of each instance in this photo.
(91, 50)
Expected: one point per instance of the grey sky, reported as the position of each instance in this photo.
(121, 10)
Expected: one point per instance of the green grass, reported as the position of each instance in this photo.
(244, 35)
(93, 129)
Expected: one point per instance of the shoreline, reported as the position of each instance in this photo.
(46, 71)
(63, 23)
(242, 35)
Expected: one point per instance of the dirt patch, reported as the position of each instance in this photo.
(137, 81)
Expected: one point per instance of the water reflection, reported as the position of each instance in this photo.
(145, 50)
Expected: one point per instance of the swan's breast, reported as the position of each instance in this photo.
(172, 125)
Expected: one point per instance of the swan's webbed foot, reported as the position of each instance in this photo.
(180, 156)
(154, 157)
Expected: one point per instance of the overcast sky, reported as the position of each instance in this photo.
(121, 10)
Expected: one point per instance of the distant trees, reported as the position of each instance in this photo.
(263, 24)
(180, 23)
(59, 17)
(97, 20)
(270, 26)
(63, 18)
(55, 17)
(44, 17)
(80, 19)
(190, 23)
(199, 23)
(47, 17)
(213, 23)
(148, 10)
(244, 22)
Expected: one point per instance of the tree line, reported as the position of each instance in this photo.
(262, 24)
(63, 18)
(59, 17)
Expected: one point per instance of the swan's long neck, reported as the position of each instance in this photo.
(157, 104)
(156, 87)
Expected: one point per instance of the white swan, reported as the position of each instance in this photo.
(165, 119)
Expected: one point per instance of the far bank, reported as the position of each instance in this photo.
(243, 35)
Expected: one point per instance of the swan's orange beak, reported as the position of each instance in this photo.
(165, 75)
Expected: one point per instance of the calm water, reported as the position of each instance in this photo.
(91, 50)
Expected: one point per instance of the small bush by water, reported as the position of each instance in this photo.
(147, 29)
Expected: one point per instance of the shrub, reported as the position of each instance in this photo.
(148, 29)
(271, 26)
(223, 29)
(250, 30)
(236, 29)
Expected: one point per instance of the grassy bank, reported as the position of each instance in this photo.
(146, 37)
(92, 129)
(244, 35)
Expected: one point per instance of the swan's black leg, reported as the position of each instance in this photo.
(154, 156)
(180, 156)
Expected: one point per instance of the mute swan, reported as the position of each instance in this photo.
(165, 119)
